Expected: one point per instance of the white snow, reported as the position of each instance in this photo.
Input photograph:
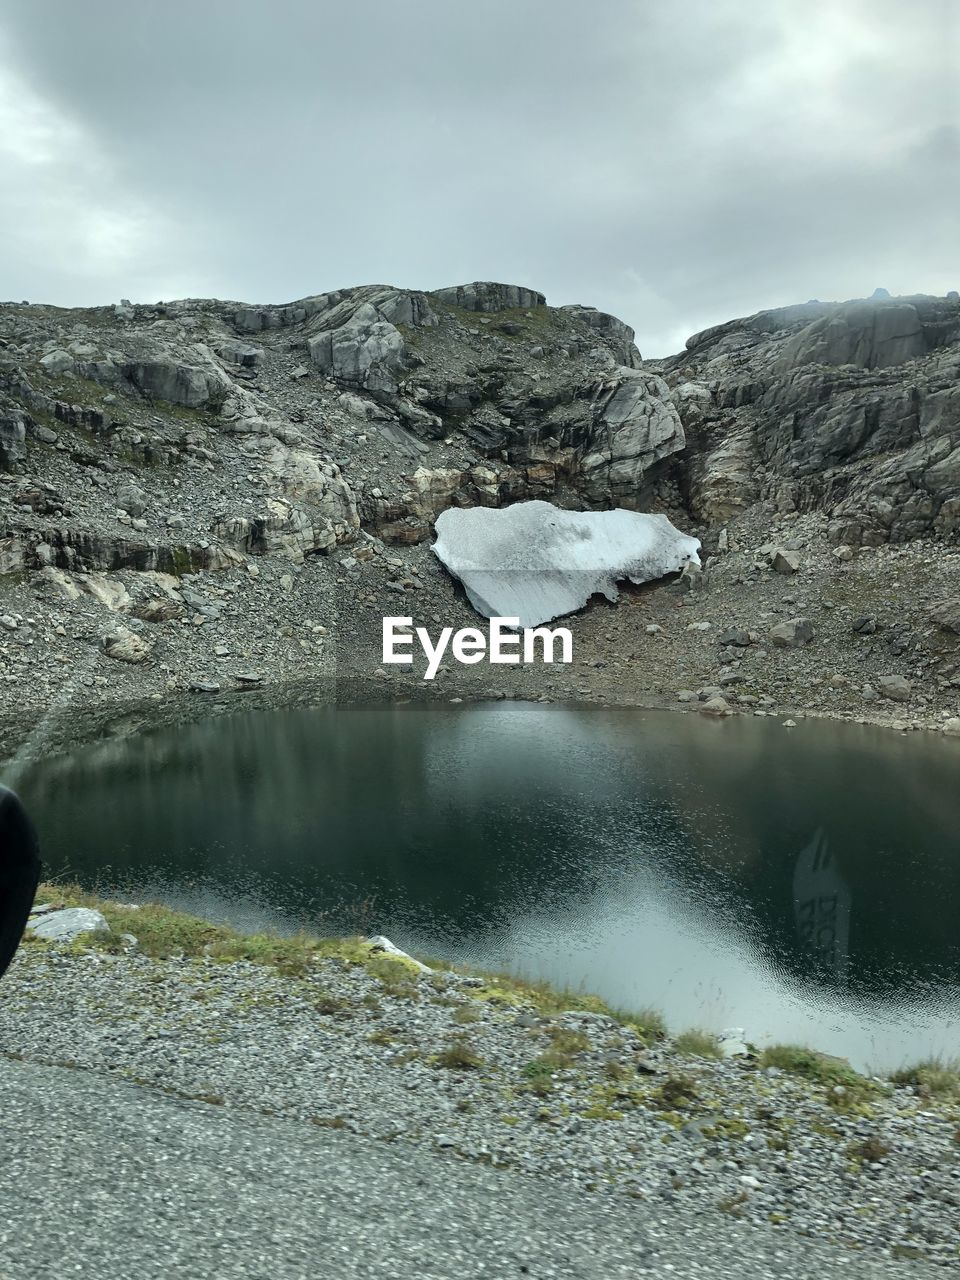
(534, 562)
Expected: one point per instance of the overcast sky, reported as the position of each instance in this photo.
(676, 164)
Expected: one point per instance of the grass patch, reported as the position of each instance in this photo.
(503, 988)
(459, 1056)
(846, 1090)
(162, 932)
(932, 1078)
(697, 1044)
(869, 1151)
(676, 1092)
(465, 1013)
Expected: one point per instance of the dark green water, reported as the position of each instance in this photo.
(802, 884)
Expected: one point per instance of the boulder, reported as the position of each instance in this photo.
(792, 634)
(65, 925)
(58, 362)
(126, 646)
(947, 615)
(867, 334)
(715, 707)
(784, 561)
(896, 688)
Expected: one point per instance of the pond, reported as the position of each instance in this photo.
(802, 884)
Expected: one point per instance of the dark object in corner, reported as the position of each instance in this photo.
(19, 874)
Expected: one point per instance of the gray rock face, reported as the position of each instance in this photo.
(613, 329)
(867, 335)
(483, 295)
(852, 408)
(635, 426)
(535, 562)
(366, 351)
(13, 434)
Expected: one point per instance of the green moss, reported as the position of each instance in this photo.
(730, 1128)
(601, 1111)
(502, 988)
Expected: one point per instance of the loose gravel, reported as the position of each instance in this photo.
(451, 1063)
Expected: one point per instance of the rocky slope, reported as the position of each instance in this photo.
(209, 495)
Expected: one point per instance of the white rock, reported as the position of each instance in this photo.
(64, 926)
(380, 943)
(732, 1042)
(534, 562)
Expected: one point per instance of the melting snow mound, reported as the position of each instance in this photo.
(534, 562)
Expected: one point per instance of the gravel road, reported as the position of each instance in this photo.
(101, 1178)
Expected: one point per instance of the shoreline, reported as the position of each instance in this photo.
(52, 730)
(492, 1069)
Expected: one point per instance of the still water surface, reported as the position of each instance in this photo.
(802, 884)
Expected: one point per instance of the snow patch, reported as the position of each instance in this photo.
(534, 562)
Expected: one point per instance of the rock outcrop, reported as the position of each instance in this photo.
(850, 408)
(190, 435)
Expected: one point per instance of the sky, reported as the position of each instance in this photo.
(674, 164)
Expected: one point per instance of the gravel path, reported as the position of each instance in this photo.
(446, 1065)
(101, 1179)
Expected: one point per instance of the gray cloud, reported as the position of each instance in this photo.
(674, 165)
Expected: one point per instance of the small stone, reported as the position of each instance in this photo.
(864, 626)
(715, 707)
(735, 636)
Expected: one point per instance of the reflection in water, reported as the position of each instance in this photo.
(821, 904)
(648, 856)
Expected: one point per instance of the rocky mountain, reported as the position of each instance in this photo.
(195, 486)
(186, 434)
